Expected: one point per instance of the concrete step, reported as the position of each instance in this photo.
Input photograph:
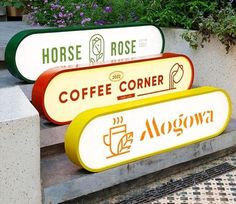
(2, 65)
(51, 138)
(3, 18)
(8, 29)
(64, 181)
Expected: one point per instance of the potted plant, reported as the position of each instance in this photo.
(14, 8)
(2, 11)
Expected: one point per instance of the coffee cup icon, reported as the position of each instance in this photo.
(176, 75)
(118, 140)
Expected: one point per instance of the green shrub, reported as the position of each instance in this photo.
(178, 13)
(13, 3)
(216, 17)
(208, 17)
(221, 24)
(83, 12)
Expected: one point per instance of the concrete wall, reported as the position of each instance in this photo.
(213, 67)
(19, 149)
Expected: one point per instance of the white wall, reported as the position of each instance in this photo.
(213, 67)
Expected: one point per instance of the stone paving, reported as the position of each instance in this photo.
(221, 189)
(218, 190)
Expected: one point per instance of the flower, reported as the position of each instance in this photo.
(95, 6)
(107, 9)
(100, 22)
(60, 15)
(54, 6)
(85, 20)
(61, 26)
(81, 14)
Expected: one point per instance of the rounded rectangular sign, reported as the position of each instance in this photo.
(107, 137)
(31, 52)
(60, 95)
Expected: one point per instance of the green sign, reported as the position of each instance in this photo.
(31, 52)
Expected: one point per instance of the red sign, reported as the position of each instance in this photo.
(61, 94)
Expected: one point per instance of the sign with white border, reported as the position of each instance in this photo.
(61, 94)
(31, 52)
(107, 137)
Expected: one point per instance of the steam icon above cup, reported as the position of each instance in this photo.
(176, 75)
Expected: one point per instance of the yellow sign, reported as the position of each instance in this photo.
(60, 95)
(107, 137)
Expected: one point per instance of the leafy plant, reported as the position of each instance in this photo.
(13, 3)
(68, 13)
(209, 18)
(178, 13)
(221, 24)
(192, 38)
